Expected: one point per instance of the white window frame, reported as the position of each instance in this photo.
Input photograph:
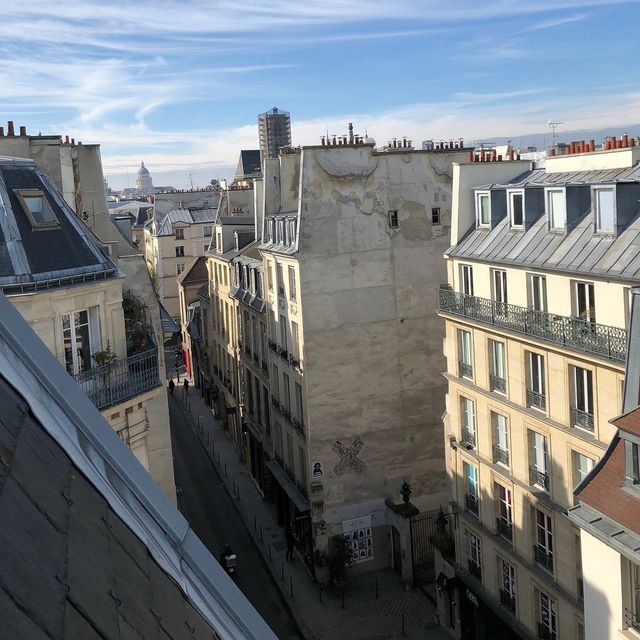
(508, 578)
(95, 338)
(589, 313)
(466, 279)
(179, 231)
(581, 465)
(548, 207)
(467, 417)
(291, 271)
(479, 196)
(510, 195)
(544, 602)
(581, 377)
(539, 451)
(204, 231)
(475, 550)
(537, 291)
(500, 427)
(465, 347)
(498, 364)
(595, 205)
(536, 382)
(544, 531)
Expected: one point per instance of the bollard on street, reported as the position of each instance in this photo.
(291, 586)
(282, 573)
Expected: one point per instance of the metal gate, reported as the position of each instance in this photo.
(423, 529)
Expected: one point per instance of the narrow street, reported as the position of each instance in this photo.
(205, 503)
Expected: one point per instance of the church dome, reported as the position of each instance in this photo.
(143, 179)
(143, 171)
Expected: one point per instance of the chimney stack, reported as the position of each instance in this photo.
(10, 131)
(23, 131)
(351, 133)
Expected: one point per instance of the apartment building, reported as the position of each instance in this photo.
(98, 324)
(351, 240)
(170, 243)
(536, 312)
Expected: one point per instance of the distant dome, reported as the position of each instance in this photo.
(143, 178)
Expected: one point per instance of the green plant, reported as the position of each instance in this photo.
(105, 357)
(340, 557)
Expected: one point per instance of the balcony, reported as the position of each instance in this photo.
(273, 345)
(543, 557)
(581, 335)
(294, 362)
(471, 503)
(497, 384)
(536, 400)
(581, 419)
(276, 403)
(500, 455)
(121, 380)
(632, 619)
(468, 438)
(298, 425)
(475, 570)
(544, 633)
(465, 370)
(286, 414)
(265, 367)
(504, 529)
(508, 600)
(283, 353)
(539, 478)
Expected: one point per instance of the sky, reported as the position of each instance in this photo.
(179, 83)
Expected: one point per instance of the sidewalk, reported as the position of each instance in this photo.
(320, 615)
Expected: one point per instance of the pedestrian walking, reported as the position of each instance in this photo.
(185, 387)
(172, 386)
(290, 539)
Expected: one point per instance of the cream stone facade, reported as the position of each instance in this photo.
(536, 311)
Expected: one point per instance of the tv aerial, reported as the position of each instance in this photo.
(553, 126)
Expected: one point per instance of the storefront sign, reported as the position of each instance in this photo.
(359, 536)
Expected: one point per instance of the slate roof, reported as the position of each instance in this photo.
(195, 271)
(48, 257)
(139, 211)
(578, 251)
(90, 548)
(185, 216)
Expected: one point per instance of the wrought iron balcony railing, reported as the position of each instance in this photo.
(581, 335)
(544, 633)
(508, 600)
(500, 455)
(465, 370)
(582, 419)
(278, 458)
(283, 353)
(286, 413)
(475, 570)
(275, 402)
(543, 557)
(536, 400)
(632, 619)
(471, 503)
(468, 438)
(298, 425)
(539, 478)
(497, 383)
(504, 528)
(273, 345)
(113, 383)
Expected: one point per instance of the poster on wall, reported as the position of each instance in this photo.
(358, 535)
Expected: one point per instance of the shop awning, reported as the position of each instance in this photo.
(287, 485)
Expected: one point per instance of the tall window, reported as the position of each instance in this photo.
(508, 592)
(604, 203)
(286, 392)
(258, 403)
(274, 381)
(471, 497)
(543, 550)
(179, 234)
(497, 375)
(516, 208)
(81, 338)
(505, 512)
(179, 251)
(556, 208)
(269, 275)
(292, 283)
(179, 268)
(466, 279)
(546, 616)
(475, 556)
(295, 338)
(467, 412)
(582, 465)
(483, 208)
(499, 286)
(536, 398)
(539, 460)
(584, 301)
(582, 400)
(393, 219)
(283, 332)
(465, 361)
(500, 438)
(280, 274)
(206, 231)
(537, 290)
(631, 462)
(248, 389)
(632, 604)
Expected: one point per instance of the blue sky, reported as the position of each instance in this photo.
(179, 83)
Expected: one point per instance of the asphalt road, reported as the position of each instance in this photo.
(205, 503)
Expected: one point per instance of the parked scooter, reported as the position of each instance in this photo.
(228, 560)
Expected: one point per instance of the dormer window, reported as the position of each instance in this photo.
(37, 207)
(632, 462)
(516, 208)
(219, 241)
(179, 234)
(235, 241)
(483, 208)
(556, 208)
(603, 199)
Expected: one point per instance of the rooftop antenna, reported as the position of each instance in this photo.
(553, 126)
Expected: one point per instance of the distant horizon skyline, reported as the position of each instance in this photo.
(180, 85)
